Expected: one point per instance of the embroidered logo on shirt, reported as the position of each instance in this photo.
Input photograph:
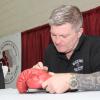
(78, 65)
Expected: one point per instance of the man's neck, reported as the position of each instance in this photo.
(68, 55)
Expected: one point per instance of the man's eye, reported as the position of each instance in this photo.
(63, 36)
(53, 35)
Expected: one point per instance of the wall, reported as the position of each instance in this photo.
(20, 15)
(11, 45)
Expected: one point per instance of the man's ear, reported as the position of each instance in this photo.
(80, 32)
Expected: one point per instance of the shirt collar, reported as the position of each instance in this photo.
(81, 41)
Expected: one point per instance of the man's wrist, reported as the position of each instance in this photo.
(73, 82)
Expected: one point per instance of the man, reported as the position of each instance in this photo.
(73, 57)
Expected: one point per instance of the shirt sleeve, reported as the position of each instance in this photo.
(95, 58)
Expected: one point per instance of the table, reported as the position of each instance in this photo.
(13, 94)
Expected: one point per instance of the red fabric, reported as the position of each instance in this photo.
(34, 41)
(91, 21)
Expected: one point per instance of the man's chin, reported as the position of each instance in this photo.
(63, 51)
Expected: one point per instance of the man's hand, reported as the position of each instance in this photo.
(58, 83)
(39, 65)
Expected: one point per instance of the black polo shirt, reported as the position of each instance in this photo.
(85, 59)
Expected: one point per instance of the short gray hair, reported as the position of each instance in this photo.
(66, 14)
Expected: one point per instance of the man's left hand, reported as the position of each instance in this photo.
(58, 83)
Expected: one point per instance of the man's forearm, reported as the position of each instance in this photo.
(88, 82)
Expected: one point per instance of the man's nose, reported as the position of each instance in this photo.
(57, 40)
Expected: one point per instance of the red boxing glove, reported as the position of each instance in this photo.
(31, 78)
(37, 77)
(21, 81)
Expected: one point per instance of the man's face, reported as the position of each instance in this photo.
(64, 37)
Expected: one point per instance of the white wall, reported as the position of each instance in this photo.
(12, 46)
(20, 15)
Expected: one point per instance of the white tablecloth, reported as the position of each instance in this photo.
(12, 94)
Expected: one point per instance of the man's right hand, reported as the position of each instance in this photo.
(39, 65)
